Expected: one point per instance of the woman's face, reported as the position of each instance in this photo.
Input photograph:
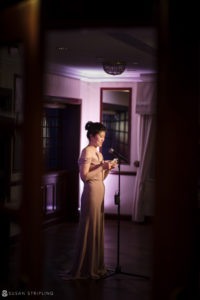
(98, 139)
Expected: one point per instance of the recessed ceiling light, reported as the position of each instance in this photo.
(99, 58)
(62, 49)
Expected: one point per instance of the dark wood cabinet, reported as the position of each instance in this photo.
(59, 195)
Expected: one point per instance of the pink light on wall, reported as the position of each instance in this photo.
(126, 194)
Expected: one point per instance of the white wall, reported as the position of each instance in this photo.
(90, 95)
(61, 86)
(127, 190)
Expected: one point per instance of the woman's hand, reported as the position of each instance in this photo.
(114, 163)
(110, 164)
(107, 165)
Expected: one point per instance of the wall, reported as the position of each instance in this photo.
(89, 93)
(61, 86)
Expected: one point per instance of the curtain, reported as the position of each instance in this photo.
(143, 198)
(146, 98)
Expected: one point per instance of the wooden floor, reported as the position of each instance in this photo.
(135, 258)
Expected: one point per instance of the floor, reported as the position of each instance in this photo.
(135, 258)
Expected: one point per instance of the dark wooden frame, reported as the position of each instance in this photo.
(16, 91)
(15, 153)
(48, 99)
(21, 23)
(129, 115)
(175, 267)
(6, 133)
(7, 93)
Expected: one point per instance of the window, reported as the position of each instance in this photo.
(51, 138)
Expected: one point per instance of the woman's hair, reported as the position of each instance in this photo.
(94, 128)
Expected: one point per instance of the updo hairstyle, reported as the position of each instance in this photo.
(94, 128)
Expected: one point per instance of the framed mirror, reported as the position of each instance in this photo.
(116, 116)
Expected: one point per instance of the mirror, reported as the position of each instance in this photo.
(116, 116)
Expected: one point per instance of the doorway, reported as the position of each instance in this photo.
(61, 146)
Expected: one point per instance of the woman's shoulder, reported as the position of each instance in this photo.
(88, 150)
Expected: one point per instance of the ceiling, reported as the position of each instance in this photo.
(80, 53)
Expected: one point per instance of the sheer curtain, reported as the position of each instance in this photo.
(143, 198)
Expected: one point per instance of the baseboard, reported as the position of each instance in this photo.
(115, 217)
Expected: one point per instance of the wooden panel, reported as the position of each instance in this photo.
(21, 23)
(54, 200)
(175, 231)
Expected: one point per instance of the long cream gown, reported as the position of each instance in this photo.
(89, 254)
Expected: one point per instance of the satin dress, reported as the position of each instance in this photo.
(88, 260)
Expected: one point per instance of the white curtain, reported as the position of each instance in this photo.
(145, 106)
(146, 98)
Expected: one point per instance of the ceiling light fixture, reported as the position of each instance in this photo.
(114, 67)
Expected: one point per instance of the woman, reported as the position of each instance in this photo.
(89, 254)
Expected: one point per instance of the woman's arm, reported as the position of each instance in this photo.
(87, 174)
